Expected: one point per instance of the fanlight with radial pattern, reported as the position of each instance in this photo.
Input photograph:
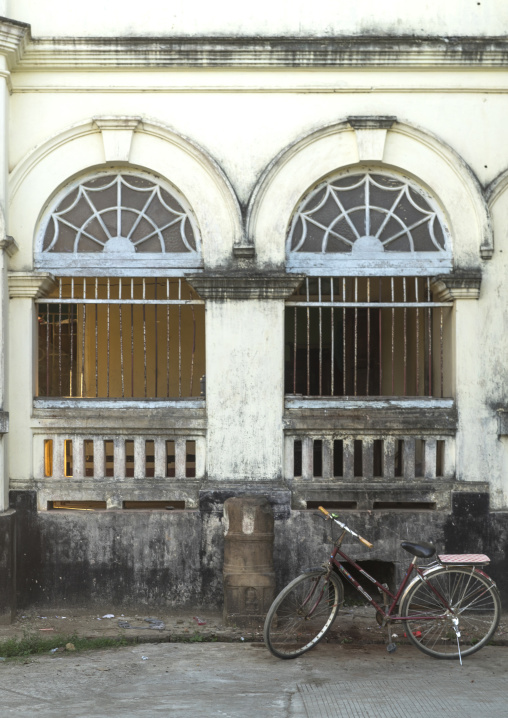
(367, 214)
(120, 214)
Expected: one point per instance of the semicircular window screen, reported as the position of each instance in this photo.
(121, 214)
(367, 214)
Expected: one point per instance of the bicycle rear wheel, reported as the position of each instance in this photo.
(473, 600)
(302, 613)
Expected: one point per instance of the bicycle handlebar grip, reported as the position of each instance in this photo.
(365, 542)
(324, 511)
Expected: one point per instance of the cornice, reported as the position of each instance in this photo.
(31, 285)
(204, 52)
(462, 284)
(233, 287)
(13, 40)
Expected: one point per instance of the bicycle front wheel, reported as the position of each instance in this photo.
(474, 612)
(302, 613)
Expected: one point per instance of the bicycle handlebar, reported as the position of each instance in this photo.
(346, 528)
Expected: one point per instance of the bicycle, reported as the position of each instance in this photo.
(450, 609)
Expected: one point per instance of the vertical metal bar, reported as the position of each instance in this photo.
(180, 339)
(441, 362)
(368, 338)
(96, 341)
(380, 321)
(167, 337)
(417, 340)
(320, 340)
(83, 381)
(367, 206)
(429, 320)
(60, 338)
(393, 340)
(47, 349)
(118, 207)
(356, 337)
(144, 331)
(332, 341)
(193, 349)
(71, 319)
(294, 350)
(308, 338)
(405, 337)
(120, 319)
(132, 338)
(107, 332)
(156, 340)
(344, 337)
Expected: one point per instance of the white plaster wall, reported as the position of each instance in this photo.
(284, 17)
(244, 401)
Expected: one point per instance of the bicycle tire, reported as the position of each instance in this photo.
(289, 631)
(474, 600)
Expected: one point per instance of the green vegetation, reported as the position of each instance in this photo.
(32, 644)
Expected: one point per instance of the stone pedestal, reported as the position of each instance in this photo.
(249, 578)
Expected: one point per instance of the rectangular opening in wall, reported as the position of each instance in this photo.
(419, 458)
(399, 458)
(338, 458)
(332, 505)
(412, 505)
(297, 457)
(317, 458)
(377, 449)
(440, 453)
(129, 458)
(121, 337)
(382, 571)
(48, 457)
(68, 457)
(77, 505)
(358, 457)
(109, 460)
(154, 505)
(170, 459)
(190, 459)
(88, 456)
(149, 458)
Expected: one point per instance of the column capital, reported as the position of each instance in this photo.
(244, 286)
(461, 284)
(31, 285)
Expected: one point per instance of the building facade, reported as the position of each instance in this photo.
(252, 253)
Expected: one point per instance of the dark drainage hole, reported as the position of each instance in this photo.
(414, 505)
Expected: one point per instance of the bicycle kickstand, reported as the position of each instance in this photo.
(391, 647)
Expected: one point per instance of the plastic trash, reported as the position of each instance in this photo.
(199, 621)
(144, 658)
(109, 615)
(53, 650)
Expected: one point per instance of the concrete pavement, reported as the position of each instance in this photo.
(233, 680)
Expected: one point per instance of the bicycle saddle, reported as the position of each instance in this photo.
(422, 550)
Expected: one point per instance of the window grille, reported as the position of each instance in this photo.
(367, 220)
(119, 216)
(120, 337)
(367, 336)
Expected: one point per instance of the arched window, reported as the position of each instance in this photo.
(362, 221)
(111, 217)
(121, 321)
(365, 322)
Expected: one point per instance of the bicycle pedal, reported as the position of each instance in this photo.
(391, 647)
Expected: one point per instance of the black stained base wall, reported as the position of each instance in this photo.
(159, 560)
(7, 566)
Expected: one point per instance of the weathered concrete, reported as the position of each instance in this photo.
(7, 566)
(219, 680)
(249, 579)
